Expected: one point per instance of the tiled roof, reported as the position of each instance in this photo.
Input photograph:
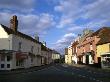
(104, 35)
(10, 31)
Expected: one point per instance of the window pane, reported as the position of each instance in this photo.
(2, 58)
(8, 58)
(8, 65)
(2, 65)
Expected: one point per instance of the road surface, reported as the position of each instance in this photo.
(56, 73)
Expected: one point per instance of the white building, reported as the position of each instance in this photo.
(55, 56)
(18, 50)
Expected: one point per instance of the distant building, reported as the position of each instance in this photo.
(66, 55)
(55, 56)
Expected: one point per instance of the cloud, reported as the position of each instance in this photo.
(96, 11)
(69, 9)
(30, 23)
(19, 5)
(64, 42)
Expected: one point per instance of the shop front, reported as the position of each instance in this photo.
(21, 59)
(105, 60)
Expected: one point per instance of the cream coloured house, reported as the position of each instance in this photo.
(18, 50)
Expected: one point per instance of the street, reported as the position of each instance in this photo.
(57, 73)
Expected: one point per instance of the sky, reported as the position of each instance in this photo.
(58, 22)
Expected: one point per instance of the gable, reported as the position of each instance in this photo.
(3, 33)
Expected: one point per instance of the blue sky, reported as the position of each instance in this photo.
(56, 21)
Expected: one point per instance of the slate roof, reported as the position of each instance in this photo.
(10, 31)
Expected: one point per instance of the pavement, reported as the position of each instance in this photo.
(23, 70)
(57, 73)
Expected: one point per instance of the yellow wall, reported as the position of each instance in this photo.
(103, 49)
(69, 55)
(66, 58)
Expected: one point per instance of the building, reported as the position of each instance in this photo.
(55, 56)
(74, 52)
(66, 55)
(18, 50)
(69, 55)
(86, 48)
(103, 47)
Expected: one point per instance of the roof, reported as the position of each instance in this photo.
(10, 31)
(104, 35)
(44, 48)
(55, 52)
(97, 32)
(75, 43)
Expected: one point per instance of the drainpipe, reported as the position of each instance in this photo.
(9, 44)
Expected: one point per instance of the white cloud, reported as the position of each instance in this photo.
(69, 9)
(64, 41)
(96, 11)
(30, 23)
(20, 5)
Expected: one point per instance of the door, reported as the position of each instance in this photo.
(87, 59)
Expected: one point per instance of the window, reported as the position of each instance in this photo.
(19, 48)
(31, 59)
(8, 65)
(2, 65)
(91, 47)
(8, 58)
(17, 63)
(2, 58)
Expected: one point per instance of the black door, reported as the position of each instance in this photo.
(87, 59)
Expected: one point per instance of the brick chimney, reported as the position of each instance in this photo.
(14, 23)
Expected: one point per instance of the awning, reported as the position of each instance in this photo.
(20, 55)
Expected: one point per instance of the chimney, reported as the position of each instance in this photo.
(44, 43)
(37, 37)
(14, 23)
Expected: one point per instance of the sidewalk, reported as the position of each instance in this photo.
(25, 70)
(91, 68)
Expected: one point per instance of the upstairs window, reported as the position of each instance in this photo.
(2, 58)
(8, 58)
(32, 48)
(91, 47)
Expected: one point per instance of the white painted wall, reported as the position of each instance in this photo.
(3, 34)
(26, 45)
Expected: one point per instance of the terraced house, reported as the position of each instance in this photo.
(18, 50)
(92, 47)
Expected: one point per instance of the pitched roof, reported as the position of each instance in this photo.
(10, 31)
(104, 35)
(55, 52)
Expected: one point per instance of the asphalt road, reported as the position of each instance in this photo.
(57, 73)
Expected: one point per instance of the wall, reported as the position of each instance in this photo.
(102, 49)
(3, 34)
(26, 45)
(69, 55)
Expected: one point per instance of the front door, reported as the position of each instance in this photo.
(87, 59)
